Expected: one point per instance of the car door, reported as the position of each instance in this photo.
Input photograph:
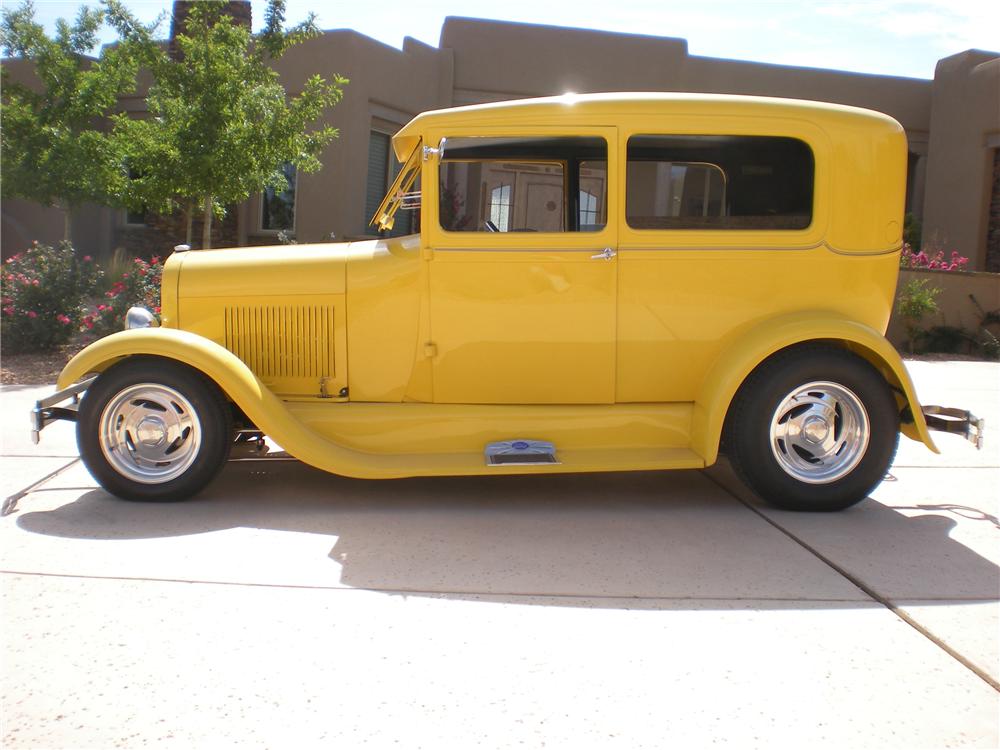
(523, 266)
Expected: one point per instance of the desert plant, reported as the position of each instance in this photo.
(916, 300)
(946, 339)
(43, 293)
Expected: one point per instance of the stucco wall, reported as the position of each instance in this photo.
(953, 122)
(965, 128)
(954, 306)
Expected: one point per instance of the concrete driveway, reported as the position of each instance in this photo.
(290, 608)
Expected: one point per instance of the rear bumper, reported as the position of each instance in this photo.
(48, 410)
(956, 421)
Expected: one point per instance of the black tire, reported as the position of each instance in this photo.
(813, 428)
(153, 429)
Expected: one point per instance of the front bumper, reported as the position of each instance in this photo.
(47, 410)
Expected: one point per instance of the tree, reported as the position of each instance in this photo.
(221, 124)
(52, 148)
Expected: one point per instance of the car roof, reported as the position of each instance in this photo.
(605, 108)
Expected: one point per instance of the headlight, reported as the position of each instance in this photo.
(139, 317)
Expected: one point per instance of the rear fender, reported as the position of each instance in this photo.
(752, 347)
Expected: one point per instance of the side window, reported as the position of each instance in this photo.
(718, 182)
(523, 184)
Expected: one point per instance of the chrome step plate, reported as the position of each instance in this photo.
(520, 453)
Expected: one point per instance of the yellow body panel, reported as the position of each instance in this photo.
(406, 356)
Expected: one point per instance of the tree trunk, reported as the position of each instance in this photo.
(206, 230)
(189, 220)
(67, 224)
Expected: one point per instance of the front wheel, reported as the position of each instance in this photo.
(153, 429)
(813, 429)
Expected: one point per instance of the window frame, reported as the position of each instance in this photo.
(676, 240)
(542, 242)
(725, 184)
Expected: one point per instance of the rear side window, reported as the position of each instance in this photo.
(523, 184)
(718, 182)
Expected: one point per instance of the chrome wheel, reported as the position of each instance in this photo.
(150, 433)
(819, 432)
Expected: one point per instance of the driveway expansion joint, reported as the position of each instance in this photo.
(870, 592)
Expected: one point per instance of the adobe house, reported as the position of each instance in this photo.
(952, 123)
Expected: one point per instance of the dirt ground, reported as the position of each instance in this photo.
(35, 368)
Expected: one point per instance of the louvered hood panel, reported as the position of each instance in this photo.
(280, 310)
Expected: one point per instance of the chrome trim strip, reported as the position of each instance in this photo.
(816, 246)
(519, 249)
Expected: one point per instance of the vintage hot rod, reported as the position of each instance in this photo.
(604, 282)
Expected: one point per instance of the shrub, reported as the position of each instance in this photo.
(916, 300)
(138, 285)
(43, 293)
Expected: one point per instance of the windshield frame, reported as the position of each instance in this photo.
(384, 217)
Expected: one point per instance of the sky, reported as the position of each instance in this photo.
(886, 37)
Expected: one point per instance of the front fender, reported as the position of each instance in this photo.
(264, 409)
(751, 347)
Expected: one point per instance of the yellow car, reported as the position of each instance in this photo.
(607, 282)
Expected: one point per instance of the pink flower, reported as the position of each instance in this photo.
(34, 282)
(32, 314)
(63, 319)
(89, 322)
(87, 259)
(155, 259)
(9, 311)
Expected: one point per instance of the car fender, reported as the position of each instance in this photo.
(239, 383)
(749, 347)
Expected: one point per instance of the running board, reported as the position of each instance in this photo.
(956, 421)
(520, 453)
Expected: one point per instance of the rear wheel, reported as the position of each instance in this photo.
(813, 429)
(153, 429)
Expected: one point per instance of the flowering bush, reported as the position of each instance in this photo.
(936, 262)
(138, 285)
(43, 290)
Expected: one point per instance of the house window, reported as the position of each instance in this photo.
(588, 208)
(277, 209)
(135, 216)
(382, 170)
(500, 207)
(718, 182)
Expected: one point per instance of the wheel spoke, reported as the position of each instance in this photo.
(819, 432)
(150, 433)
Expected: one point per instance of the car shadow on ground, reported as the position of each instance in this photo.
(644, 536)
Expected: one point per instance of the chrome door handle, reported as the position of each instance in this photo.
(606, 254)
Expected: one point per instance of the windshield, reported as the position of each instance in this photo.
(398, 195)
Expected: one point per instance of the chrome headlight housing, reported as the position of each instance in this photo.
(139, 317)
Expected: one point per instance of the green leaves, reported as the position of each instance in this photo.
(219, 126)
(221, 122)
(52, 151)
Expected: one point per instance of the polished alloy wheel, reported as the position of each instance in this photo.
(150, 433)
(819, 432)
